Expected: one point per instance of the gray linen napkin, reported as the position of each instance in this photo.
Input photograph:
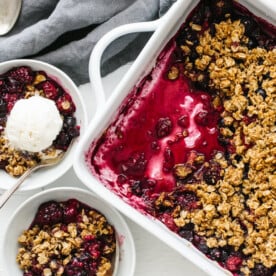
(64, 32)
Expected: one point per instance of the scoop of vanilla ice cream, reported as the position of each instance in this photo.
(33, 124)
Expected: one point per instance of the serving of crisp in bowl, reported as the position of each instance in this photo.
(67, 231)
(41, 112)
(186, 143)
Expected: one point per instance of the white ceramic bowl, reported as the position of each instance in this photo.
(44, 177)
(164, 29)
(23, 216)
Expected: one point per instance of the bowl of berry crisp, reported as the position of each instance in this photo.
(186, 144)
(67, 231)
(41, 112)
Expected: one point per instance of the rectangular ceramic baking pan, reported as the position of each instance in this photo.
(164, 29)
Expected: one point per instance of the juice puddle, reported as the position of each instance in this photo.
(159, 124)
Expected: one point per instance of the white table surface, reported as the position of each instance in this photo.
(154, 258)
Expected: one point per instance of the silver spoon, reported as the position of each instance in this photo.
(45, 162)
(9, 12)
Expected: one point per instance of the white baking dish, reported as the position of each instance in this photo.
(164, 29)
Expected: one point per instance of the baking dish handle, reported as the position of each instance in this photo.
(103, 43)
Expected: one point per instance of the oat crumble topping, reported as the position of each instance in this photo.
(87, 242)
(238, 210)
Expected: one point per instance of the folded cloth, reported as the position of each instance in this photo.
(64, 32)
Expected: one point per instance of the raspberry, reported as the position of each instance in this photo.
(65, 104)
(168, 162)
(135, 165)
(70, 210)
(48, 213)
(10, 99)
(202, 118)
(183, 121)
(168, 220)
(49, 88)
(163, 127)
(211, 174)
(23, 74)
(233, 263)
(188, 200)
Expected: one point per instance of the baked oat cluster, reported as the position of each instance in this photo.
(22, 83)
(67, 238)
(227, 206)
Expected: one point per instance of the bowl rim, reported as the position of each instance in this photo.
(118, 218)
(74, 91)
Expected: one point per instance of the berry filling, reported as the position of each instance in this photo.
(21, 83)
(67, 238)
(193, 144)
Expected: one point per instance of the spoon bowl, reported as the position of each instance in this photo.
(9, 12)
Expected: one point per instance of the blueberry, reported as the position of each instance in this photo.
(187, 231)
(223, 141)
(226, 252)
(212, 29)
(73, 132)
(245, 171)
(250, 24)
(199, 15)
(136, 188)
(202, 246)
(261, 92)
(186, 234)
(178, 56)
(221, 122)
(62, 141)
(189, 226)
(211, 174)
(203, 84)
(3, 164)
(232, 128)
(193, 55)
(3, 108)
(190, 35)
(13, 86)
(215, 254)
(267, 76)
(221, 7)
(261, 270)
(238, 157)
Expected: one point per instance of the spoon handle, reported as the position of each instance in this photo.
(7, 194)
